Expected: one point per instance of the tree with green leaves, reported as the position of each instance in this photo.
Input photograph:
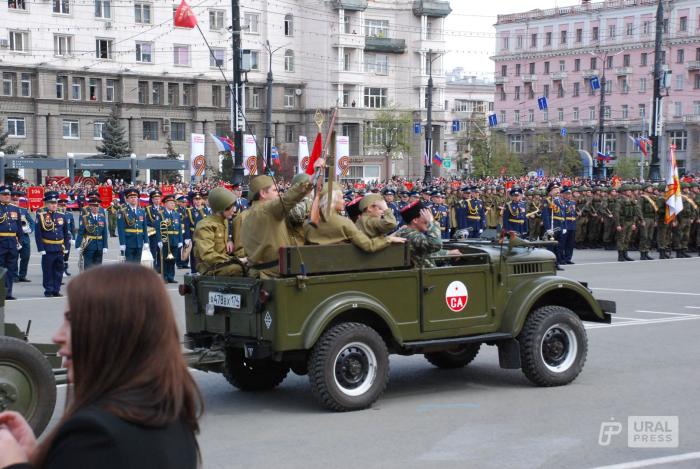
(389, 133)
(114, 145)
(626, 167)
(491, 157)
(553, 154)
(169, 175)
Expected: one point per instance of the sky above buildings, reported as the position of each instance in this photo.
(470, 33)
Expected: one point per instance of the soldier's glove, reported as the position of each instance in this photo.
(563, 231)
(72, 242)
(78, 249)
(179, 245)
(43, 253)
(160, 244)
(187, 242)
(481, 231)
(104, 250)
(122, 248)
(549, 232)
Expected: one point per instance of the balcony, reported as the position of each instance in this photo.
(591, 123)
(623, 71)
(527, 126)
(435, 42)
(383, 44)
(500, 80)
(347, 76)
(529, 78)
(558, 75)
(354, 41)
(692, 119)
(352, 5)
(434, 8)
(621, 123)
(591, 73)
(693, 65)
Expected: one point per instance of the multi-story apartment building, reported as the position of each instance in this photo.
(555, 53)
(469, 99)
(64, 64)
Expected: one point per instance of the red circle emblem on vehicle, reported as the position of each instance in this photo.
(456, 296)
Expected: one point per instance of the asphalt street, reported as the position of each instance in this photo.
(643, 364)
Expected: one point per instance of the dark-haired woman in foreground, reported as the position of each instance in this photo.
(133, 402)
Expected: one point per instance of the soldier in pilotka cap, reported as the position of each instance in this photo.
(376, 218)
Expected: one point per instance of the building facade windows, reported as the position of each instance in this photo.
(104, 48)
(216, 20)
(157, 93)
(375, 98)
(61, 83)
(142, 90)
(94, 89)
(142, 13)
(25, 85)
(110, 86)
(376, 28)
(144, 52)
(97, 130)
(103, 9)
(76, 89)
(679, 138)
(288, 25)
(19, 41)
(61, 7)
(181, 55)
(16, 127)
(251, 22)
(188, 94)
(150, 130)
(377, 63)
(217, 57)
(62, 45)
(289, 60)
(515, 143)
(290, 100)
(8, 83)
(71, 129)
(178, 131)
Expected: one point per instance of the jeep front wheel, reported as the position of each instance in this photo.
(553, 346)
(454, 358)
(252, 375)
(349, 367)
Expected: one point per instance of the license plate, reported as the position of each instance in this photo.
(225, 300)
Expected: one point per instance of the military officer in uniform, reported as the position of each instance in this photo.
(181, 206)
(210, 238)
(648, 222)
(171, 237)
(554, 219)
(626, 214)
(441, 213)
(567, 240)
(92, 237)
(476, 214)
(389, 195)
(193, 215)
(515, 214)
(241, 202)
(132, 228)
(52, 239)
(10, 235)
(70, 223)
(27, 223)
(153, 219)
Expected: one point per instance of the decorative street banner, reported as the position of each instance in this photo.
(342, 155)
(198, 162)
(35, 195)
(303, 154)
(167, 189)
(250, 156)
(105, 196)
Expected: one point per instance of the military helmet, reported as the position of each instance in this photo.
(220, 199)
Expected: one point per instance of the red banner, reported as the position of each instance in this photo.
(455, 184)
(167, 189)
(35, 195)
(105, 196)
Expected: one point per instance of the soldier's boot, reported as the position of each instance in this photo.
(648, 257)
(643, 256)
(627, 258)
(684, 254)
(679, 254)
(620, 256)
(662, 254)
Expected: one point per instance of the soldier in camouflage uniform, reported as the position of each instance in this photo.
(663, 232)
(626, 215)
(649, 211)
(422, 234)
(684, 220)
(595, 221)
(609, 200)
(695, 187)
(583, 213)
(534, 215)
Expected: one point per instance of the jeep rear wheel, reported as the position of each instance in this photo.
(553, 346)
(252, 375)
(349, 367)
(27, 383)
(454, 358)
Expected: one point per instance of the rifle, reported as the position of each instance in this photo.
(315, 216)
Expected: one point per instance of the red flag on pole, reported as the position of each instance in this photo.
(184, 16)
(315, 154)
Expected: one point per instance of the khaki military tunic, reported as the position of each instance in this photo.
(338, 229)
(377, 226)
(210, 238)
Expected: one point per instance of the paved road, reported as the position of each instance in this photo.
(643, 364)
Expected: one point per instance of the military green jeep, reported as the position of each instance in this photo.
(336, 313)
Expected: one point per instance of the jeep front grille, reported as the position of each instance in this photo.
(523, 269)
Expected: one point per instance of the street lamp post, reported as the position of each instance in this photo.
(429, 127)
(268, 109)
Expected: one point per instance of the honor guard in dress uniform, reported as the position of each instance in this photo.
(182, 204)
(10, 235)
(458, 211)
(27, 228)
(553, 218)
(131, 226)
(241, 202)
(476, 214)
(515, 214)
(196, 212)
(70, 223)
(171, 237)
(389, 195)
(441, 214)
(153, 219)
(52, 239)
(91, 241)
(567, 240)
(425, 197)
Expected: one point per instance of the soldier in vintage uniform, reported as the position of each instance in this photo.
(534, 216)
(567, 240)
(131, 226)
(627, 215)
(153, 219)
(27, 228)
(91, 241)
(210, 238)
(70, 223)
(649, 211)
(52, 239)
(171, 237)
(112, 212)
(514, 214)
(554, 219)
(376, 218)
(193, 215)
(441, 213)
(10, 235)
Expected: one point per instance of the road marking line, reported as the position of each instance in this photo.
(619, 263)
(693, 307)
(630, 319)
(649, 321)
(663, 312)
(653, 461)
(646, 291)
(37, 298)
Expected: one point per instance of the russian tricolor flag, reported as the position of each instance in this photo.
(437, 159)
(223, 144)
